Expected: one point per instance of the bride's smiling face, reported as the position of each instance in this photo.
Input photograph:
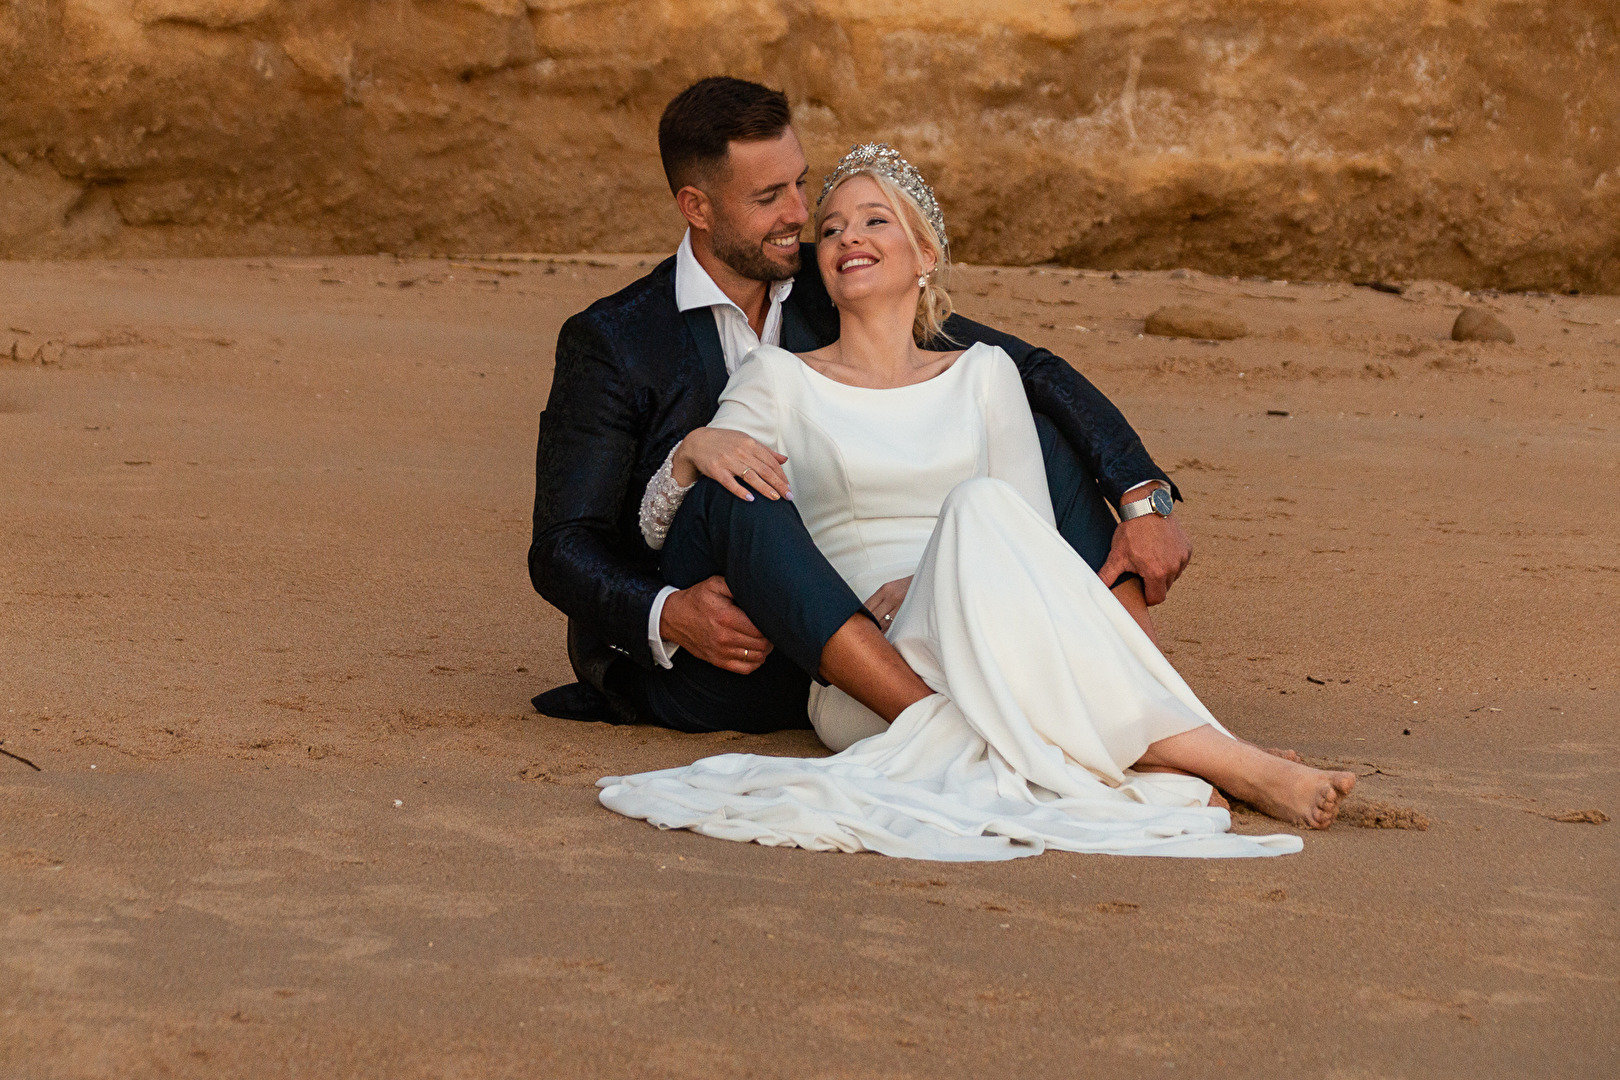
(862, 248)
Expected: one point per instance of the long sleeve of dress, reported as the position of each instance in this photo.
(749, 402)
(660, 501)
(745, 406)
(1013, 447)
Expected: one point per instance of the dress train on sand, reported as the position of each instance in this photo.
(1048, 690)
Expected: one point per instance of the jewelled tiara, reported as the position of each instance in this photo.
(886, 161)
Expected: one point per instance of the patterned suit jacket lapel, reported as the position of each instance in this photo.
(700, 323)
(797, 337)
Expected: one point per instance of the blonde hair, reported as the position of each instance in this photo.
(934, 301)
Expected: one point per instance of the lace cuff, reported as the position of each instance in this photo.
(660, 501)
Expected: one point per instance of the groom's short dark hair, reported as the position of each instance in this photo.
(698, 127)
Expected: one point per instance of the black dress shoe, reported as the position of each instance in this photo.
(590, 698)
(575, 701)
(589, 656)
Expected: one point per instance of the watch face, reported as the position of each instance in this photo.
(1161, 502)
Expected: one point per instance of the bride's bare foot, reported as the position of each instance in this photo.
(1286, 790)
(1299, 794)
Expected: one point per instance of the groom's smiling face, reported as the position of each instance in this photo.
(757, 207)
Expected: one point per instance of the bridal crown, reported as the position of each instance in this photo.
(886, 161)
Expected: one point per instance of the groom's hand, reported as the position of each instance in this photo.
(707, 623)
(1155, 547)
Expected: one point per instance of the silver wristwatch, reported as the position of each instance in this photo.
(1159, 503)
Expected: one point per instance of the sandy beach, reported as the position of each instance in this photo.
(267, 634)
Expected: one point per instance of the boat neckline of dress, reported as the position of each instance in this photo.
(889, 389)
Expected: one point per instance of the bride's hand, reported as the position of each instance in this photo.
(887, 600)
(730, 458)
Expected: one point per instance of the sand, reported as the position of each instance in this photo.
(268, 635)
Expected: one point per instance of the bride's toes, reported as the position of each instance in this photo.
(1334, 786)
(1286, 755)
(1303, 796)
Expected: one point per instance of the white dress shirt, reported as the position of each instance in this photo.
(694, 288)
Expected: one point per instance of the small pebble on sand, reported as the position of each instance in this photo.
(1477, 324)
(1184, 320)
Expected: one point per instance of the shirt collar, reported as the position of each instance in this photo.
(694, 288)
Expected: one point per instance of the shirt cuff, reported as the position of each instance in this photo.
(1125, 498)
(663, 652)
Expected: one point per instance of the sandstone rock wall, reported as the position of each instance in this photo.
(1476, 141)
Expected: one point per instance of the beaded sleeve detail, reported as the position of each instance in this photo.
(660, 501)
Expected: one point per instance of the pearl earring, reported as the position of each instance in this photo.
(922, 281)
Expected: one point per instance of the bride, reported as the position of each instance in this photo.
(1015, 703)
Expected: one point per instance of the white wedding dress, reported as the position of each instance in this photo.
(1047, 689)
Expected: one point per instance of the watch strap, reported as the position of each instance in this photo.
(1139, 507)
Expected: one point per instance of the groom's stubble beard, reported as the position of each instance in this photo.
(747, 258)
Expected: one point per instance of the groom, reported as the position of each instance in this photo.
(638, 370)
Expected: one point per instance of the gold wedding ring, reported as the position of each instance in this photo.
(744, 473)
(745, 654)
